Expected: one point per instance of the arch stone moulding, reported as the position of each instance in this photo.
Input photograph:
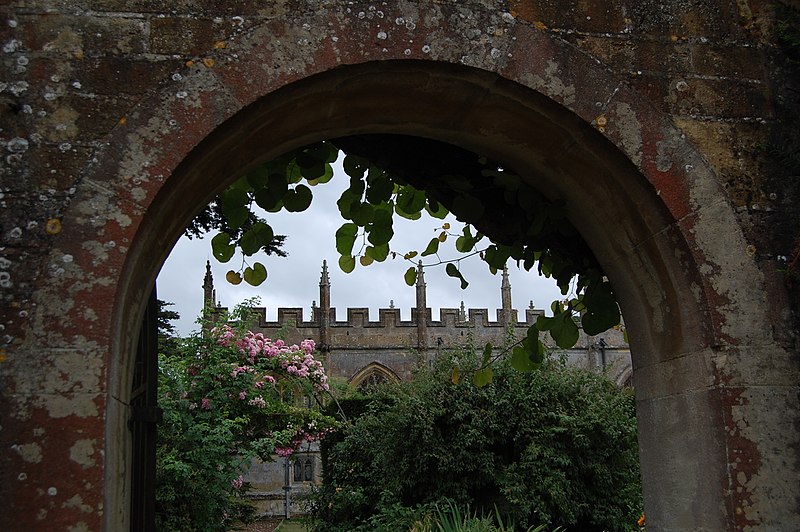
(373, 368)
(716, 394)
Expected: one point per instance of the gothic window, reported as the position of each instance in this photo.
(372, 380)
(298, 469)
(303, 468)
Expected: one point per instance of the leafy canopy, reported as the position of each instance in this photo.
(506, 219)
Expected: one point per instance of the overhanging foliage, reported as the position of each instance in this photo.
(506, 219)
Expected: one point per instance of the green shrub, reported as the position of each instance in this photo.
(555, 446)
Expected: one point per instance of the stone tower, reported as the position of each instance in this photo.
(506, 314)
(209, 293)
(422, 309)
(324, 311)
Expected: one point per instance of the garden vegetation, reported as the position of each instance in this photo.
(553, 447)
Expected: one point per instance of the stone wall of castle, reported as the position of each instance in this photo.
(357, 348)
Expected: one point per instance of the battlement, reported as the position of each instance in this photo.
(455, 327)
(359, 317)
(390, 330)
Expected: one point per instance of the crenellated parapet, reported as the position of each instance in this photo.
(357, 341)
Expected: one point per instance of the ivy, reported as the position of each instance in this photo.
(522, 224)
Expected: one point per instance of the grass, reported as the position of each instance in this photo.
(292, 525)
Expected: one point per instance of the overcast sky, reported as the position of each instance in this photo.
(294, 281)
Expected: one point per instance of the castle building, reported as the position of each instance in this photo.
(365, 352)
(389, 349)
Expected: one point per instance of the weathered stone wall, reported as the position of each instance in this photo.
(268, 480)
(357, 342)
(661, 123)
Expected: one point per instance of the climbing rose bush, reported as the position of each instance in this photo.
(229, 396)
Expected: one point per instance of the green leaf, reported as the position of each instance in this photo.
(433, 247)
(380, 230)
(602, 311)
(379, 253)
(507, 180)
(324, 177)
(346, 238)
(355, 166)
(257, 177)
(315, 172)
(452, 271)
(241, 184)
(298, 200)
(457, 182)
(380, 188)
(366, 260)
(483, 377)
(346, 202)
(221, 247)
(278, 183)
(256, 275)
(410, 276)
(307, 159)
(380, 234)
(522, 357)
(362, 213)
(531, 257)
(323, 151)
(233, 277)
(293, 172)
(357, 187)
(468, 208)
(410, 201)
(268, 199)
(564, 330)
(347, 263)
(543, 323)
(466, 242)
(234, 197)
(236, 215)
(529, 355)
(415, 216)
(256, 238)
(497, 255)
(487, 354)
(436, 209)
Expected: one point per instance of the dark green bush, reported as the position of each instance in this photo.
(555, 446)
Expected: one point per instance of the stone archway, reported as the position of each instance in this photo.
(652, 257)
(706, 365)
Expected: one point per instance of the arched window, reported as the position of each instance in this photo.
(298, 470)
(372, 375)
(303, 468)
(373, 379)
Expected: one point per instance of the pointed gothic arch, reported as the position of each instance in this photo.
(372, 374)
